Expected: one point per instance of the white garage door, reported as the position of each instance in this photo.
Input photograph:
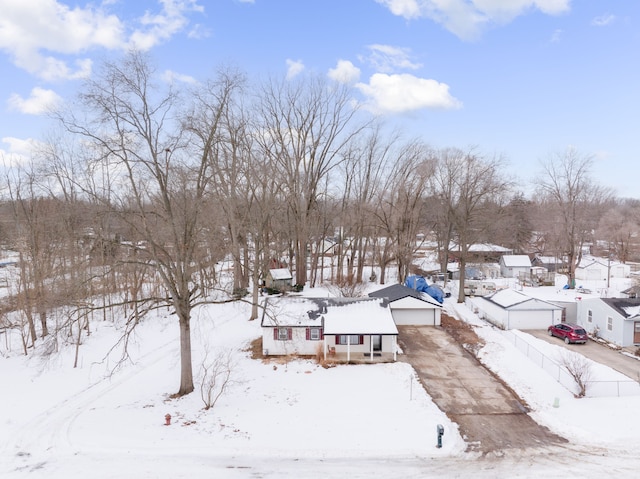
(414, 317)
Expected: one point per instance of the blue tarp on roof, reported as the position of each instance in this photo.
(420, 284)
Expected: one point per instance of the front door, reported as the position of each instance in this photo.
(636, 332)
(376, 340)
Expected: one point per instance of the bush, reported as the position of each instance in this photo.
(298, 288)
(579, 368)
(216, 377)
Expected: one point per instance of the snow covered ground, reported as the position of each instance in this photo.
(290, 419)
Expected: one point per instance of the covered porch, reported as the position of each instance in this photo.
(371, 337)
(348, 357)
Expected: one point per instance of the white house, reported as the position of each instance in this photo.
(510, 309)
(616, 320)
(601, 269)
(410, 307)
(511, 265)
(347, 328)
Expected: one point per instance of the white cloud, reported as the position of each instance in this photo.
(468, 18)
(386, 58)
(603, 20)
(403, 8)
(556, 36)
(199, 31)
(400, 93)
(36, 33)
(159, 27)
(39, 102)
(30, 27)
(344, 72)
(173, 77)
(294, 68)
(19, 152)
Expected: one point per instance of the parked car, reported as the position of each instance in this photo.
(571, 333)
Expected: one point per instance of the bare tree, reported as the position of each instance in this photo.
(514, 229)
(619, 228)
(305, 126)
(579, 368)
(400, 209)
(37, 238)
(573, 201)
(161, 174)
(217, 376)
(367, 161)
(470, 189)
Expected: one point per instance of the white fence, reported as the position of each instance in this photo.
(560, 374)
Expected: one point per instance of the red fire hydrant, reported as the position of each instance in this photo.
(167, 420)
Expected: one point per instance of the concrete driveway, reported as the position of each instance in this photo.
(599, 353)
(490, 416)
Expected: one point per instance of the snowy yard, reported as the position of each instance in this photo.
(291, 419)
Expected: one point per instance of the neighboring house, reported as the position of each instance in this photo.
(514, 265)
(599, 269)
(410, 307)
(616, 320)
(279, 278)
(566, 299)
(632, 292)
(619, 270)
(479, 252)
(347, 328)
(470, 272)
(591, 270)
(551, 263)
(510, 309)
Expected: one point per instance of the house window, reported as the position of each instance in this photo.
(282, 334)
(349, 339)
(314, 334)
(590, 316)
(609, 323)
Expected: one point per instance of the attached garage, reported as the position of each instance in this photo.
(410, 307)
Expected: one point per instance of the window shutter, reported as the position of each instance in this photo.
(361, 340)
(290, 333)
(275, 333)
(308, 334)
(321, 333)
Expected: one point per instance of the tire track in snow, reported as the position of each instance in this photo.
(49, 431)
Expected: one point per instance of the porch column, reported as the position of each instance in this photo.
(395, 347)
(324, 347)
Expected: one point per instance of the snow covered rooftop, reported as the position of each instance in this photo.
(632, 311)
(336, 315)
(400, 291)
(516, 260)
(280, 273)
(508, 298)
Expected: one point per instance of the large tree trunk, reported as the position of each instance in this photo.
(463, 266)
(186, 368)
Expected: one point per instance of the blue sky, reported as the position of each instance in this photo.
(518, 78)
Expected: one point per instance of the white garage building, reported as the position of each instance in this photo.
(509, 309)
(410, 307)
